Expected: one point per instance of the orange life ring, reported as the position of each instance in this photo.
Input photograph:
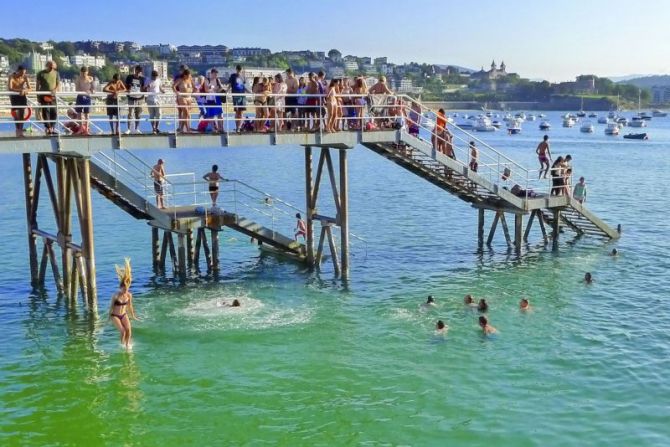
(29, 113)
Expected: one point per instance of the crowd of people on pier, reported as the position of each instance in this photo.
(283, 102)
(560, 171)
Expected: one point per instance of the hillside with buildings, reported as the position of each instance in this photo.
(437, 82)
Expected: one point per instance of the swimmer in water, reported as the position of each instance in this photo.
(440, 327)
(483, 306)
(588, 279)
(524, 304)
(486, 327)
(430, 302)
(469, 301)
(235, 303)
(614, 252)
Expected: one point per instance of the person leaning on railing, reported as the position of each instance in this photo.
(20, 86)
(113, 88)
(48, 80)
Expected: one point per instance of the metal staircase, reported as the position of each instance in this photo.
(491, 185)
(113, 175)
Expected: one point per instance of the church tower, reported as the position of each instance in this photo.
(503, 66)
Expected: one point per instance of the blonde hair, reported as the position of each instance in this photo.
(124, 274)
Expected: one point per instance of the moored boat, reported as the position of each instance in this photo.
(636, 136)
(587, 127)
(659, 113)
(544, 125)
(612, 129)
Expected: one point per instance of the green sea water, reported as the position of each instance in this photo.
(310, 360)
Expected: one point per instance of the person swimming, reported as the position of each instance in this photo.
(234, 303)
(440, 327)
(469, 301)
(524, 304)
(614, 252)
(430, 302)
(483, 305)
(588, 278)
(486, 327)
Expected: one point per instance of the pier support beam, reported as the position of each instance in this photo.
(309, 200)
(344, 213)
(181, 256)
(30, 218)
(215, 250)
(480, 228)
(77, 262)
(556, 228)
(518, 231)
(340, 190)
(155, 250)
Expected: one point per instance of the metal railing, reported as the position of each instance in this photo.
(277, 113)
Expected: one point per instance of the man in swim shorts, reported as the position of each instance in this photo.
(213, 178)
(544, 156)
(158, 174)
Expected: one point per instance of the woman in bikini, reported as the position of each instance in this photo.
(183, 87)
(331, 106)
(121, 308)
(361, 100)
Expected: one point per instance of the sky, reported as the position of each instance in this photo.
(538, 39)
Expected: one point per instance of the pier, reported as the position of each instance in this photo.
(67, 168)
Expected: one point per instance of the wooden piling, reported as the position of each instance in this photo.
(344, 213)
(215, 250)
(181, 252)
(480, 228)
(556, 227)
(319, 250)
(492, 231)
(529, 224)
(503, 221)
(87, 229)
(518, 231)
(309, 237)
(333, 250)
(205, 249)
(155, 249)
(30, 219)
(190, 255)
(164, 251)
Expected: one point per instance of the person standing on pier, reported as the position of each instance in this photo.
(213, 178)
(474, 157)
(154, 88)
(135, 86)
(85, 87)
(113, 88)
(238, 89)
(291, 112)
(121, 308)
(300, 227)
(544, 156)
(48, 80)
(20, 86)
(158, 174)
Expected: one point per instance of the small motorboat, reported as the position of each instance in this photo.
(587, 127)
(659, 113)
(612, 114)
(497, 124)
(612, 129)
(484, 125)
(542, 116)
(636, 136)
(622, 120)
(602, 120)
(514, 127)
(544, 125)
(530, 117)
(593, 115)
(637, 122)
(568, 122)
(581, 114)
(645, 116)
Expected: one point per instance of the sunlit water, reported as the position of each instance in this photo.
(308, 360)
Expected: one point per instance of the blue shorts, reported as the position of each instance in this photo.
(83, 104)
